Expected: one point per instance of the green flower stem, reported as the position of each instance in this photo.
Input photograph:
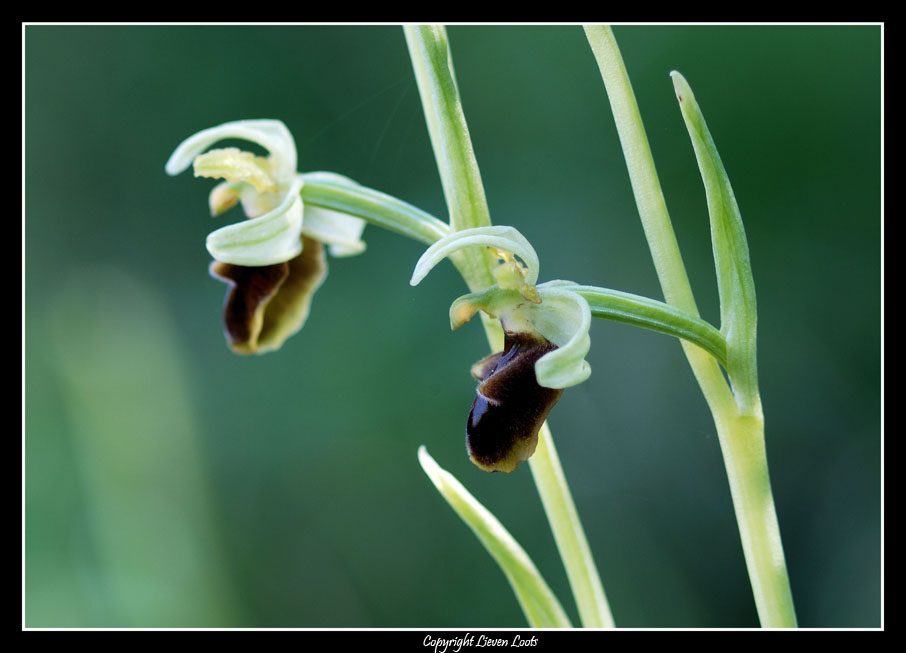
(652, 314)
(584, 580)
(375, 207)
(402, 218)
(459, 175)
(741, 435)
(447, 127)
(745, 458)
(468, 208)
(645, 183)
(395, 215)
(651, 204)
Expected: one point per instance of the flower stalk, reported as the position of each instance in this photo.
(374, 206)
(651, 314)
(468, 209)
(456, 163)
(737, 412)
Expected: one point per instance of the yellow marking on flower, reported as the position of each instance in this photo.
(462, 312)
(502, 254)
(223, 197)
(234, 165)
(511, 275)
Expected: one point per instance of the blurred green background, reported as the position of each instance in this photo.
(171, 483)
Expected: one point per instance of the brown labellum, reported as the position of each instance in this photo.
(265, 305)
(509, 406)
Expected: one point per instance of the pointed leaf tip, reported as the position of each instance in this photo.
(538, 602)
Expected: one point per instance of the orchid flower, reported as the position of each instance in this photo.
(274, 261)
(545, 342)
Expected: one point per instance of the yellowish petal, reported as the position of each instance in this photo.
(234, 165)
(265, 240)
(223, 197)
(272, 135)
(342, 232)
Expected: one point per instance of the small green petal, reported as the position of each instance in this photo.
(272, 135)
(564, 318)
(511, 276)
(495, 301)
(223, 197)
(271, 238)
(255, 204)
(341, 231)
(504, 238)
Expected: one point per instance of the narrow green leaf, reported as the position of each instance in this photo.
(731, 255)
(541, 607)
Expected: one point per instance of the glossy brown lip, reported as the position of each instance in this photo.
(267, 304)
(509, 406)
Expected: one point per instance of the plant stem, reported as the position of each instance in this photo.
(742, 443)
(447, 127)
(594, 610)
(456, 163)
(468, 208)
(642, 174)
(741, 437)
